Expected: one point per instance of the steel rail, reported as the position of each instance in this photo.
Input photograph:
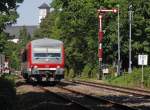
(64, 98)
(134, 89)
(136, 92)
(118, 106)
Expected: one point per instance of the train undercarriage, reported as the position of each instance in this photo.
(36, 75)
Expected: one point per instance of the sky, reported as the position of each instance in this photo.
(29, 12)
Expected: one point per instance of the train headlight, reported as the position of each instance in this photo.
(35, 67)
(29, 69)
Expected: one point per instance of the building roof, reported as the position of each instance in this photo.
(14, 31)
(44, 6)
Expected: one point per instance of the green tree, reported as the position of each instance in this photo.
(24, 37)
(140, 31)
(49, 27)
(141, 28)
(76, 19)
(8, 14)
(12, 53)
(3, 41)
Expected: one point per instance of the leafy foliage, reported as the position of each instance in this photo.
(141, 28)
(3, 41)
(49, 27)
(11, 52)
(24, 37)
(8, 15)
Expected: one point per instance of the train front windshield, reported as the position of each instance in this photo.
(46, 53)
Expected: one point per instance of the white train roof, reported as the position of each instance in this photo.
(46, 42)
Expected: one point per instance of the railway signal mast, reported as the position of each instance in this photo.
(101, 12)
(130, 23)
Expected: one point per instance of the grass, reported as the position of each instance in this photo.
(11, 77)
(133, 79)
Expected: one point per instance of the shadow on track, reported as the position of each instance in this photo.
(43, 84)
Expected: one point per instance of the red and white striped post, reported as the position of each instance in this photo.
(100, 38)
(100, 35)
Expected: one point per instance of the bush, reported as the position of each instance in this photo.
(86, 73)
(95, 72)
(71, 73)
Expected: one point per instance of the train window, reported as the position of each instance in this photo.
(54, 55)
(47, 55)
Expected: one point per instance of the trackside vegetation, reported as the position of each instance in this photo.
(126, 80)
(132, 80)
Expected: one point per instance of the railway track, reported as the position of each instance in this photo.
(41, 97)
(75, 103)
(132, 91)
(82, 100)
(86, 101)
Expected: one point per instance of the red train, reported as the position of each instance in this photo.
(43, 60)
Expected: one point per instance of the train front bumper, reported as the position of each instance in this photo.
(50, 74)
